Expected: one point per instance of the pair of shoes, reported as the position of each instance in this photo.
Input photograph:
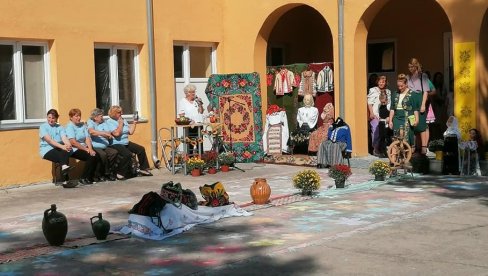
(85, 181)
(120, 177)
(65, 171)
(100, 179)
(69, 184)
(111, 177)
(144, 173)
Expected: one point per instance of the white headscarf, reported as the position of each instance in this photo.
(452, 128)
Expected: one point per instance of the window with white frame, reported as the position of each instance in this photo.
(24, 82)
(117, 78)
(193, 63)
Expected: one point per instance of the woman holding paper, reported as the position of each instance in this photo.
(404, 109)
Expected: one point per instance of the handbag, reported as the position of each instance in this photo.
(173, 193)
(214, 194)
(150, 205)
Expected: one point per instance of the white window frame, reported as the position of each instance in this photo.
(18, 64)
(186, 79)
(114, 76)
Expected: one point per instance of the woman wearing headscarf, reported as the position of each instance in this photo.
(320, 134)
(339, 141)
(452, 136)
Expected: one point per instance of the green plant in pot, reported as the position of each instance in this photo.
(195, 163)
(210, 158)
(226, 159)
(307, 180)
(380, 169)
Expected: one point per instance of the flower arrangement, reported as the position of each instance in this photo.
(436, 145)
(379, 168)
(210, 158)
(307, 181)
(227, 158)
(340, 172)
(195, 163)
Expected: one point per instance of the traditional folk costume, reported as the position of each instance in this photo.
(284, 82)
(330, 151)
(307, 84)
(276, 133)
(374, 100)
(405, 104)
(325, 80)
(420, 85)
(452, 136)
(320, 134)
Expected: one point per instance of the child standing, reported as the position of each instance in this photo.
(384, 133)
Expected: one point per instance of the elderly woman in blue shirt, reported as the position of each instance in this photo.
(121, 129)
(54, 145)
(101, 139)
(78, 136)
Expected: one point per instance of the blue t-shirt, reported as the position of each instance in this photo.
(98, 142)
(123, 139)
(77, 132)
(56, 133)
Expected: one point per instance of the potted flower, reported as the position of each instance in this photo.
(437, 146)
(210, 158)
(307, 180)
(379, 169)
(340, 173)
(225, 160)
(195, 165)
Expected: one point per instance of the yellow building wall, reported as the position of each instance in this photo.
(240, 29)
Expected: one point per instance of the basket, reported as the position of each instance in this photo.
(182, 121)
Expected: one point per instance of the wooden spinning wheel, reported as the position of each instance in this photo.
(399, 152)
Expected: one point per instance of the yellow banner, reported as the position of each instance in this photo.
(465, 94)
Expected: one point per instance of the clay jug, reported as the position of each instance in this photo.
(54, 226)
(260, 191)
(100, 227)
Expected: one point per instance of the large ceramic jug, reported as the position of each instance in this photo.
(260, 191)
(54, 226)
(100, 227)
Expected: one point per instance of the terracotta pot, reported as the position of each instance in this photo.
(438, 155)
(224, 168)
(212, 170)
(260, 191)
(196, 172)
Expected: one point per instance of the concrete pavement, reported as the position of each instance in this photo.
(409, 226)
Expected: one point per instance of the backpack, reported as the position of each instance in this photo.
(150, 205)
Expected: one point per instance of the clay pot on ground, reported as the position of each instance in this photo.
(100, 227)
(224, 168)
(260, 191)
(212, 170)
(196, 172)
(54, 226)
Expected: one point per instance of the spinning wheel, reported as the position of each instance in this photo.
(399, 152)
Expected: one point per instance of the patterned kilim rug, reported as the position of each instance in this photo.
(297, 160)
(237, 98)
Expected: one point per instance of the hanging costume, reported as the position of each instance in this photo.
(320, 134)
(284, 82)
(325, 80)
(307, 84)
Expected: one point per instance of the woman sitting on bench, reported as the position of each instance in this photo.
(54, 145)
(339, 141)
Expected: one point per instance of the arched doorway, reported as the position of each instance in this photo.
(294, 35)
(396, 31)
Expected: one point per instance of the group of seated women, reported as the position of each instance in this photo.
(104, 146)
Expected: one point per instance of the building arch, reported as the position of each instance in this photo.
(397, 31)
(304, 35)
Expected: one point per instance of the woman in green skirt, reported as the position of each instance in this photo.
(404, 110)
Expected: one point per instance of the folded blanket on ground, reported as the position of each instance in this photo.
(176, 220)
